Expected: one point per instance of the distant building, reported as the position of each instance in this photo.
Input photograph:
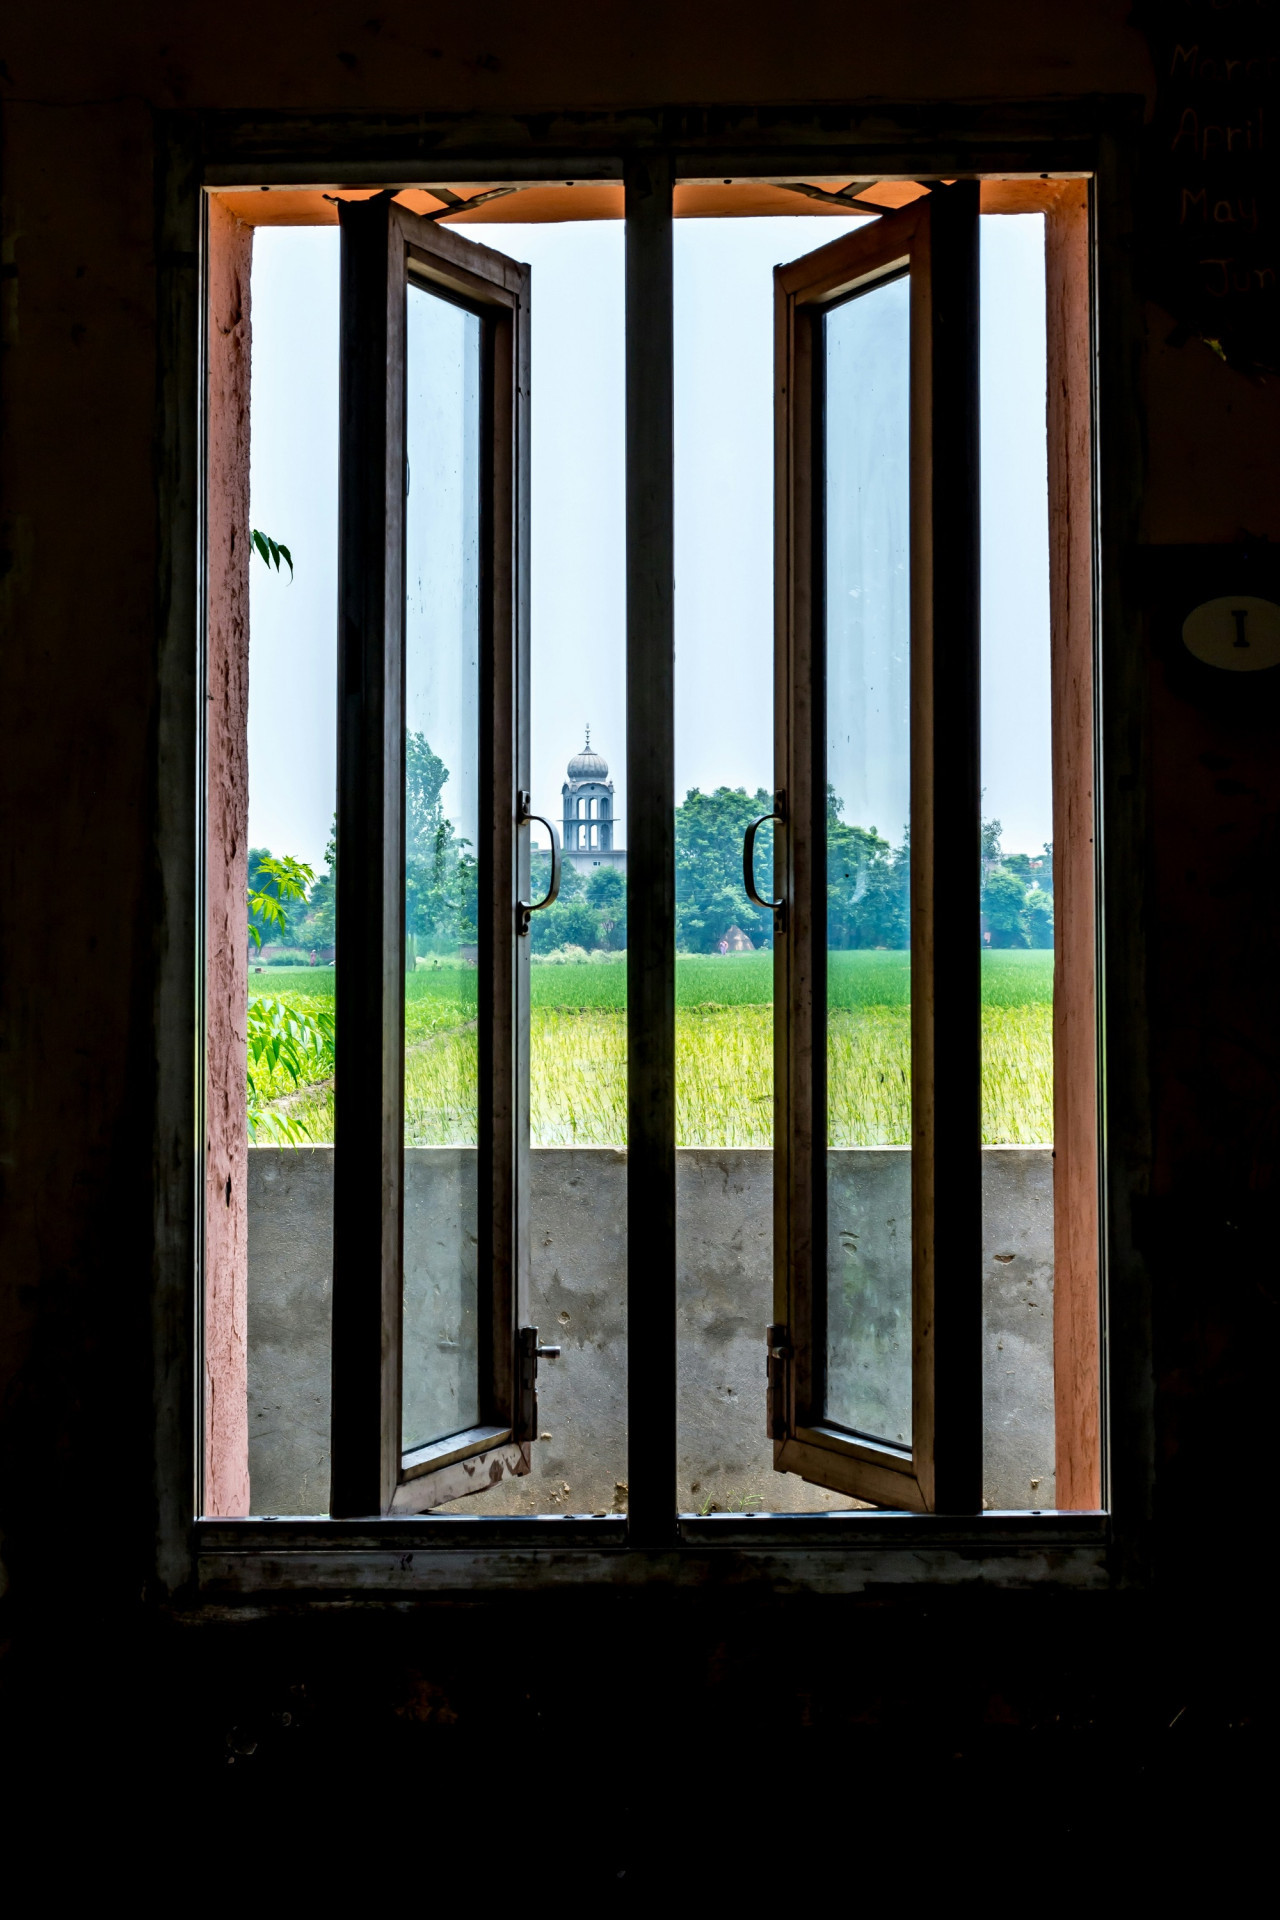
(588, 823)
(735, 941)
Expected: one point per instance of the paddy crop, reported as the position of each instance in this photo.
(724, 1052)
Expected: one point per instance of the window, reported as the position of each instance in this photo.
(435, 1347)
(878, 661)
(434, 365)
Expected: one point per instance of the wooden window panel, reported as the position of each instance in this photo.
(384, 250)
(1077, 1298)
(935, 241)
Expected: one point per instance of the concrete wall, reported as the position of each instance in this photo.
(578, 1286)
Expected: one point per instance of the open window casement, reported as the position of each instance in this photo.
(433, 1366)
(875, 1358)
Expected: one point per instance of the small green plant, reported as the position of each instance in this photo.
(271, 551)
(288, 880)
(732, 1503)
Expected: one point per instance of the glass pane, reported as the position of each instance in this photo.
(724, 778)
(577, 948)
(1017, 873)
(442, 837)
(866, 371)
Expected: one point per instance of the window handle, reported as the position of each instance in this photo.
(778, 907)
(525, 817)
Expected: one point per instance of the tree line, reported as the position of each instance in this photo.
(868, 882)
(293, 907)
(868, 879)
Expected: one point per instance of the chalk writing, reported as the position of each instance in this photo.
(1221, 213)
(1211, 138)
(1209, 244)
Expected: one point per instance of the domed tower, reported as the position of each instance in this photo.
(588, 811)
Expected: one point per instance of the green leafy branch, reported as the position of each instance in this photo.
(298, 1041)
(295, 1039)
(290, 879)
(271, 551)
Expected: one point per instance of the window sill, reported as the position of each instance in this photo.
(244, 1560)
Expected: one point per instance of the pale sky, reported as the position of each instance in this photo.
(724, 514)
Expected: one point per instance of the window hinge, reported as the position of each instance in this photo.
(531, 1351)
(778, 1343)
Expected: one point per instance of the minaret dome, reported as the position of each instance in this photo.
(588, 808)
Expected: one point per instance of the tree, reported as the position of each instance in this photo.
(868, 881)
(315, 924)
(868, 885)
(1037, 917)
(441, 875)
(425, 776)
(607, 893)
(710, 897)
(572, 884)
(1003, 899)
(991, 831)
(557, 926)
(569, 923)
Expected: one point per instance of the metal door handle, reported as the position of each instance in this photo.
(524, 818)
(778, 907)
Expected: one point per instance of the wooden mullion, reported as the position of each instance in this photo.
(651, 1160)
(369, 988)
(946, 987)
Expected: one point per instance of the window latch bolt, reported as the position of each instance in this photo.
(531, 1351)
(778, 1347)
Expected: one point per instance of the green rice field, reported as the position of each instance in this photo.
(724, 1041)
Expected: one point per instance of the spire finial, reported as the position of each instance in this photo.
(587, 749)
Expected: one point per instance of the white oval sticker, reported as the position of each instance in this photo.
(1238, 633)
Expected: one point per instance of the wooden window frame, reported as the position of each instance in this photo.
(934, 241)
(220, 1560)
(385, 250)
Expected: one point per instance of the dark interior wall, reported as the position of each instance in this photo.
(80, 933)
(572, 54)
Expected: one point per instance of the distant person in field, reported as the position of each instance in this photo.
(724, 946)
